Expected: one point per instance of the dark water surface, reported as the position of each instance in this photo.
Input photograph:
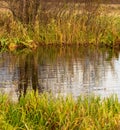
(65, 70)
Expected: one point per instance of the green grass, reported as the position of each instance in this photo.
(46, 112)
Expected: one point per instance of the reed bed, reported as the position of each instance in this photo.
(69, 23)
(46, 112)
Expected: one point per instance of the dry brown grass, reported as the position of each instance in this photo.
(111, 9)
(67, 23)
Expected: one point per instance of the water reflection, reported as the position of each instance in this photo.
(60, 70)
(27, 73)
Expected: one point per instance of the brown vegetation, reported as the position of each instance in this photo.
(38, 21)
(26, 11)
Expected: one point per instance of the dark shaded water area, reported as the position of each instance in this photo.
(61, 70)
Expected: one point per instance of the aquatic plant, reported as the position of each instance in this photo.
(46, 111)
(69, 23)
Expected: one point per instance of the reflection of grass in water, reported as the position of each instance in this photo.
(44, 111)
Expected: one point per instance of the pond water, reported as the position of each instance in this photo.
(65, 70)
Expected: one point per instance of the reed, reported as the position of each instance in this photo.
(45, 111)
(69, 23)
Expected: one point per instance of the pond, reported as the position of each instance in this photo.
(61, 70)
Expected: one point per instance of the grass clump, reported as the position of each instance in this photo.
(47, 112)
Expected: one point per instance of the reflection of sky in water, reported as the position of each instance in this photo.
(110, 84)
(77, 76)
(78, 82)
(112, 81)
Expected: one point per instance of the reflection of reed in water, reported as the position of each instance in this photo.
(70, 68)
(58, 69)
(28, 74)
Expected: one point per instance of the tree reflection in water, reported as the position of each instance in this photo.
(49, 66)
(71, 69)
(28, 73)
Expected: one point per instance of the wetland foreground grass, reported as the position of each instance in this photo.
(46, 112)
